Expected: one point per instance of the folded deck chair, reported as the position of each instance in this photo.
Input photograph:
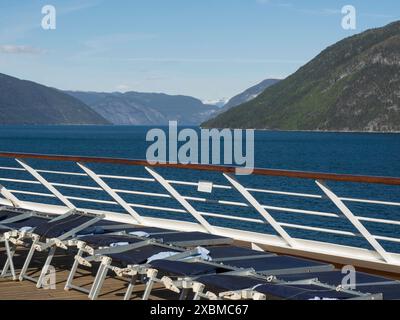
(119, 261)
(170, 273)
(241, 286)
(114, 234)
(390, 289)
(55, 234)
(13, 226)
(117, 258)
(177, 276)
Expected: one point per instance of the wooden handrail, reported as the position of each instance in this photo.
(215, 168)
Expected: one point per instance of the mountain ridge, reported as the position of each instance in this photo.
(24, 102)
(144, 108)
(352, 85)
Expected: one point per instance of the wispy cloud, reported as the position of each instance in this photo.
(320, 12)
(18, 49)
(28, 19)
(105, 43)
(212, 60)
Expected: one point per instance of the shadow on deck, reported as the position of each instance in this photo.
(113, 289)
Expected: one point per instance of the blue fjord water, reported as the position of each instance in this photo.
(353, 153)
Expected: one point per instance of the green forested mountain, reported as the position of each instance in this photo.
(353, 85)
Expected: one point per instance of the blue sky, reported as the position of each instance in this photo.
(210, 49)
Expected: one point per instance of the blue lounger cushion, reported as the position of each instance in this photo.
(3, 230)
(189, 239)
(138, 256)
(106, 240)
(7, 214)
(223, 252)
(54, 229)
(28, 222)
(223, 283)
(390, 291)
(276, 265)
(302, 292)
(185, 269)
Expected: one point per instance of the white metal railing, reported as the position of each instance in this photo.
(186, 206)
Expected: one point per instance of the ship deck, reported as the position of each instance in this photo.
(114, 288)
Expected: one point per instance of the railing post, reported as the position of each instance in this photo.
(111, 192)
(10, 197)
(47, 184)
(354, 220)
(261, 210)
(175, 194)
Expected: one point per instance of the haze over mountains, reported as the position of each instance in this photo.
(136, 108)
(26, 102)
(29, 103)
(249, 94)
(353, 85)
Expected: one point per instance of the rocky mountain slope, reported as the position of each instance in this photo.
(28, 103)
(354, 85)
(136, 108)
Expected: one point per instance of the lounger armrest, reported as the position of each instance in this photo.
(230, 295)
(211, 296)
(198, 287)
(171, 284)
(82, 261)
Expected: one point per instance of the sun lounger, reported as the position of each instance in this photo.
(55, 234)
(248, 286)
(390, 289)
(165, 241)
(164, 271)
(13, 226)
(177, 276)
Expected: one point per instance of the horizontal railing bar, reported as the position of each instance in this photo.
(142, 193)
(63, 173)
(195, 184)
(223, 216)
(73, 186)
(387, 203)
(142, 206)
(215, 168)
(91, 200)
(315, 213)
(20, 181)
(204, 200)
(12, 169)
(45, 171)
(295, 194)
(324, 230)
(106, 176)
(375, 220)
(389, 239)
(33, 193)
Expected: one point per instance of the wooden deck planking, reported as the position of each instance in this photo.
(113, 289)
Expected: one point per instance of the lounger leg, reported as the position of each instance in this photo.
(96, 280)
(100, 282)
(184, 294)
(129, 291)
(9, 263)
(45, 268)
(198, 290)
(74, 268)
(196, 296)
(149, 287)
(27, 261)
